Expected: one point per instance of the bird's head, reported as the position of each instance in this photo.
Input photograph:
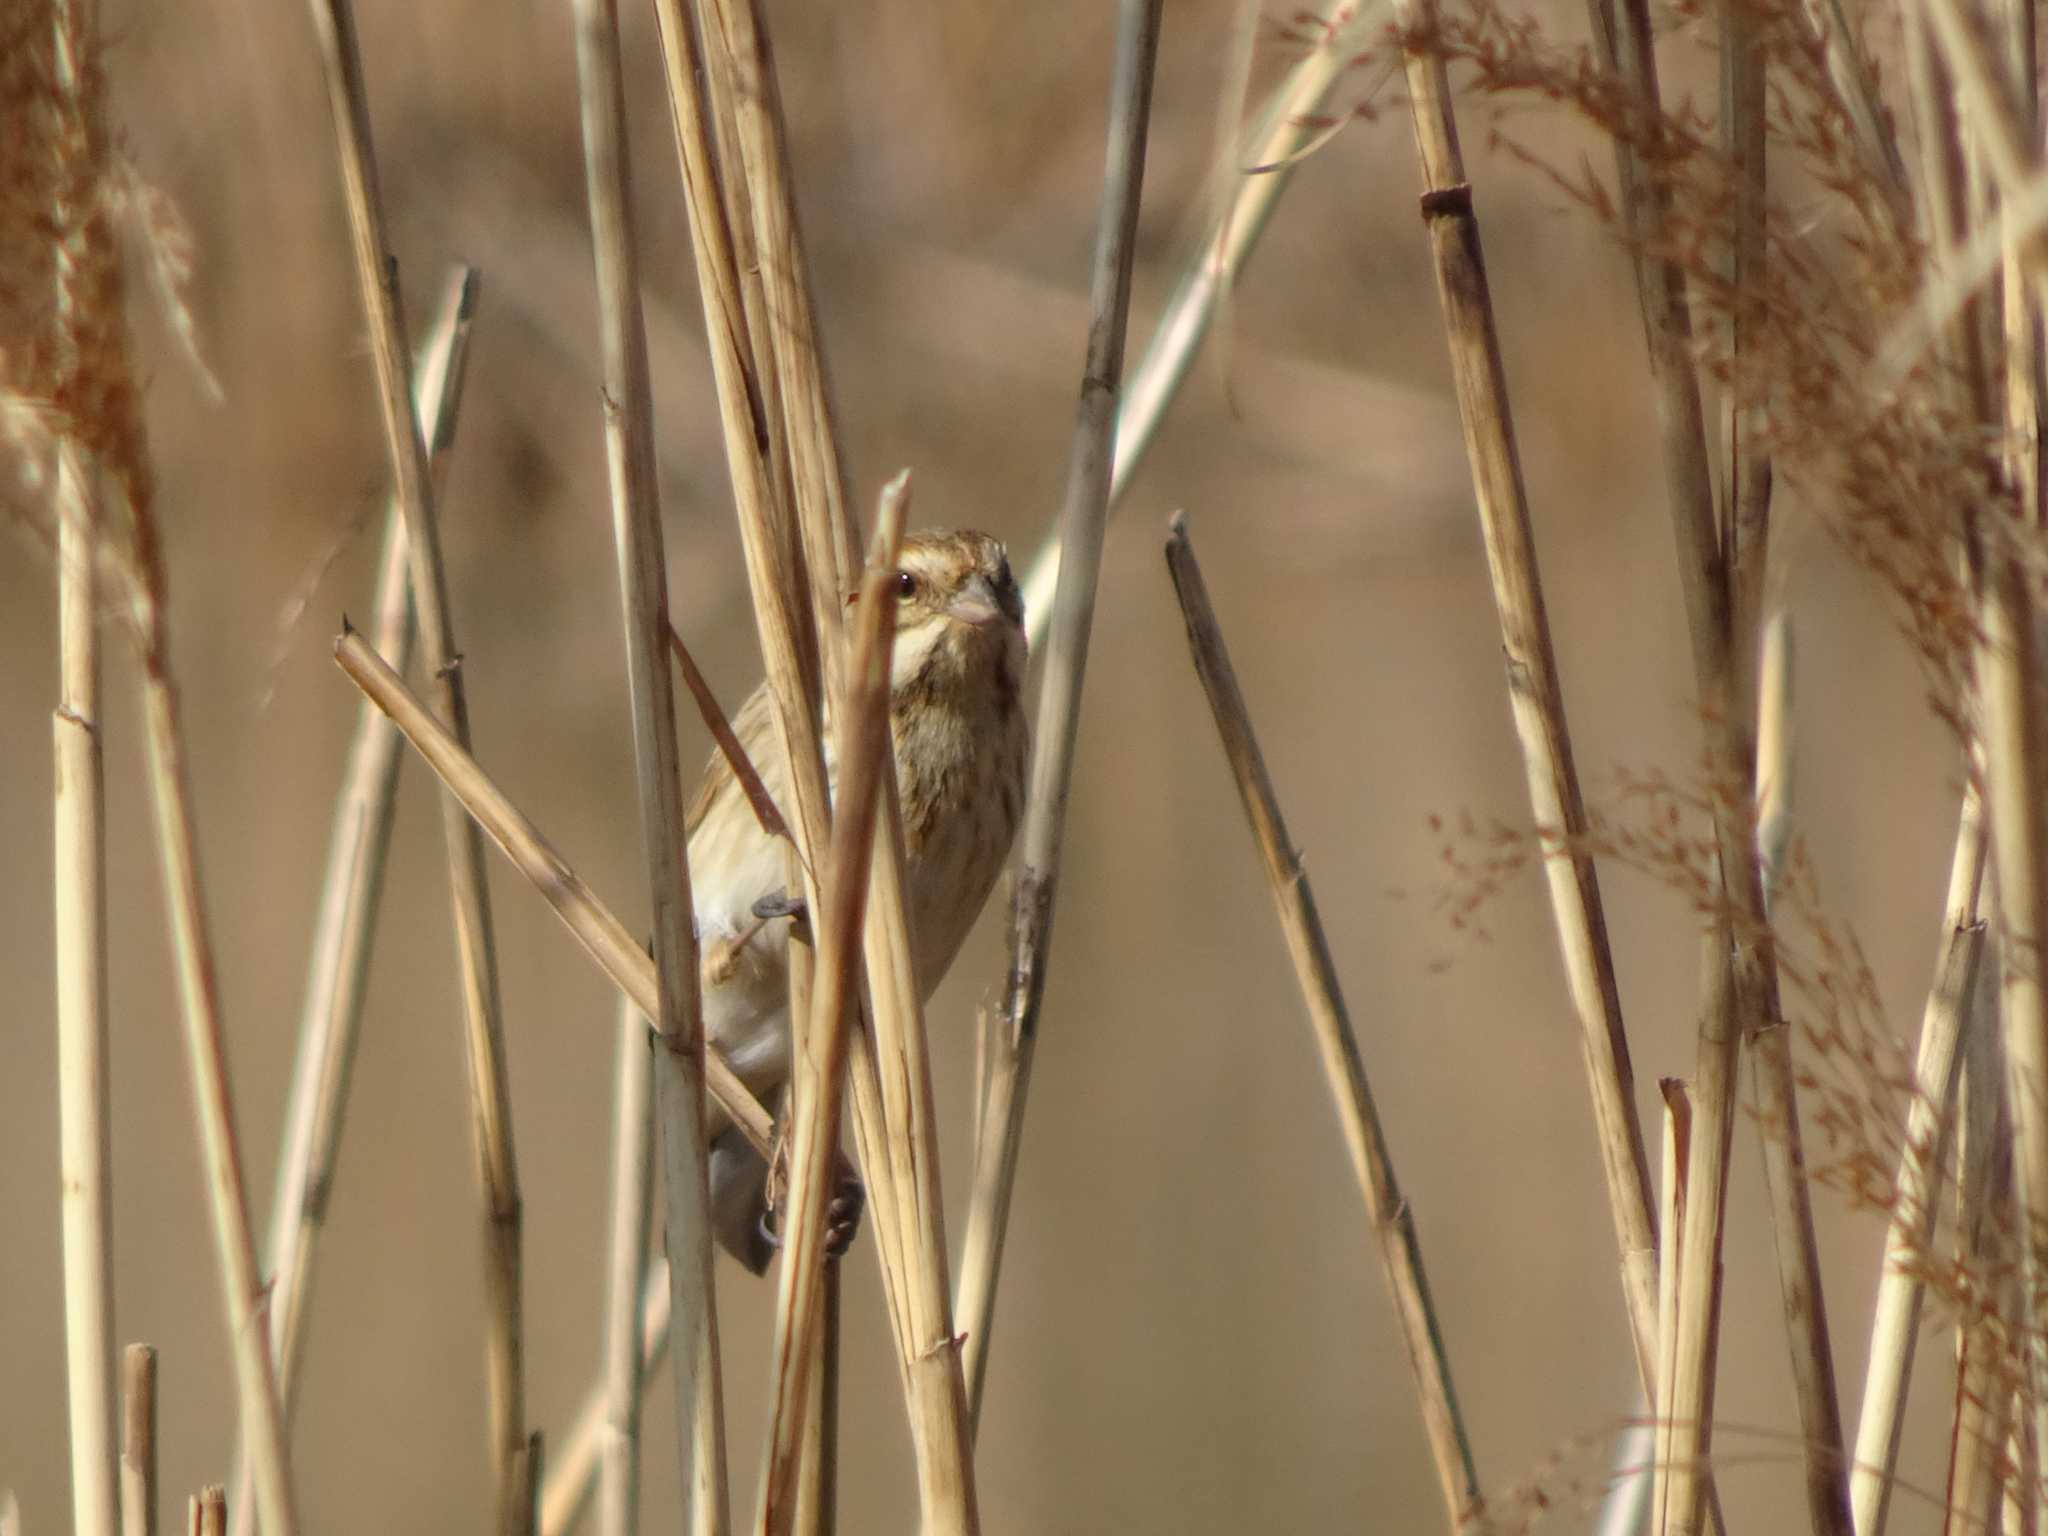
(959, 615)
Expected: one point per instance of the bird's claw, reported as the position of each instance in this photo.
(842, 1217)
(782, 904)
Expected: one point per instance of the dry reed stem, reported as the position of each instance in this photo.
(744, 80)
(483, 1019)
(1916, 1202)
(1274, 149)
(1083, 516)
(220, 1148)
(1534, 691)
(79, 864)
(1390, 1213)
(817, 1475)
(625, 1259)
(892, 1109)
(603, 937)
(138, 1440)
(643, 582)
(80, 919)
(207, 1515)
(789, 649)
(351, 891)
(1671, 1219)
(819, 1067)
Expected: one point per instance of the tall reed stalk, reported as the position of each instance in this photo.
(483, 1019)
(1083, 515)
(351, 892)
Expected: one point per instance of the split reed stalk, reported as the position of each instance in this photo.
(344, 928)
(138, 1440)
(819, 1067)
(643, 582)
(625, 1259)
(79, 859)
(1909, 1233)
(1083, 515)
(1390, 1213)
(896, 1155)
(603, 937)
(893, 1102)
(483, 1019)
(1534, 691)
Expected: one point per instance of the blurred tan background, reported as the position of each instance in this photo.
(1193, 1333)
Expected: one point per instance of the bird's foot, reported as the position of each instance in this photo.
(842, 1216)
(769, 908)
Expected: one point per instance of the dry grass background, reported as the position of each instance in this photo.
(1194, 1335)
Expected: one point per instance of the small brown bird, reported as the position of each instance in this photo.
(956, 716)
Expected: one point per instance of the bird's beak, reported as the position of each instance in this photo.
(976, 604)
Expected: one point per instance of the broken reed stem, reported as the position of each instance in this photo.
(1391, 1215)
(1909, 1233)
(1083, 515)
(1270, 154)
(483, 1019)
(1534, 691)
(643, 584)
(819, 1068)
(79, 865)
(603, 937)
(817, 1474)
(199, 997)
(138, 1440)
(344, 929)
(625, 1260)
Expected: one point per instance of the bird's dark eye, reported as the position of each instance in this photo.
(906, 586)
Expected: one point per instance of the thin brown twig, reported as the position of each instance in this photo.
(483, 1018)
(1083, 516)
(894, 1111)
(1390, 1213)
(643, 582)
(715, 719)
(817, 1474)
(351, 892)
